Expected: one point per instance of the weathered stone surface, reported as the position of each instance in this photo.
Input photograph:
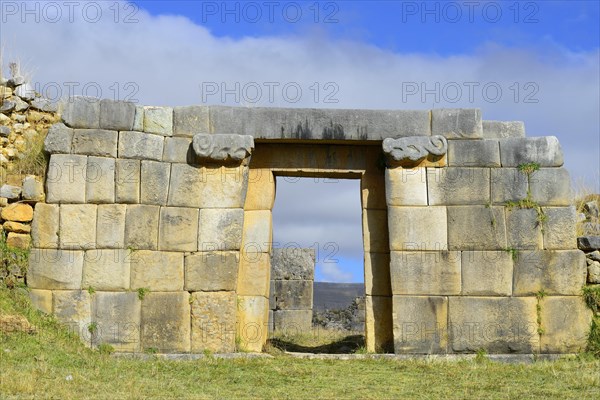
(545, 151)
(78, 226)
(16, 227)
(487, 273)
(178, 229)
(252, 322)
(373, 191)
(254, 275)
(211, 271)
(82, 112)
(556, 272)
(560, 228)
(458, 186)
(74, 309)
(44, 228)
(65, 180)
(223, 187)
(166, 322)
(473, 153)
(293, 295)
(141, 227)
(106, 269)
(154, 187)
(379, 332)
(213, 322)
(457, 123)
(408, 151)
(425, 273)
(523, 228)
(58, 139)
(476, 228)
(420, 324)
(588, 243)
(127, 185)
(496, 325)
(44, 105)
(292, 263)
(566, 324)
(110, 226)
(406, 187)
(222, 148)
(19, 212)
(593, 272)
(508, 184)
(503, 129)
(257, 231)
(33, 189)
(41, 300)
(158, 120)
(551, 187)
(100, 177)
(138, 121)
(292, 321)
(158, 271)
(377, 274)
(117, 115)
(18, 240)
(118, 317)
(417, 228)
(185, 186)
(190, 120)
(220, 229)
(375, 231)
(140, 145)
(10, 192)
(95, 142)
(309, 124)
(261, 190)
(55, 269)
(178, 150)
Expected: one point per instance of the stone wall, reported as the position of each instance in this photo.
(291, 298)
(157, 232)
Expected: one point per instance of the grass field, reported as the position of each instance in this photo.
(53, 364)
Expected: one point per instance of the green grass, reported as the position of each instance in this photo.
(39, 366)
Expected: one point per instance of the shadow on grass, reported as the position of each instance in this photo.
(347, 345)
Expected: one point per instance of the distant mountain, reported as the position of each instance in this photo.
(328, 295)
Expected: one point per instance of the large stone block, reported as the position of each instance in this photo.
(293, 295)
(508, 184)
(110, 226)
(379, 330)
(487, 273)
(220, 229)
(211, 271)
(186, 186)
(58, 139)
(292, 321)
(476, 228)
(178, 229)
(157, 271)
(55, 269)
(560, 230)
(127, 185)
(377, 274)
(555, 272)
(117, 317)
(257, 236)
(457, 123)
(373, 191)
(261, 190)
(565, 323)
(252, 322)
(413, 151)
(74, 309)
(166, 322)
(154, 188)
(158, 120)
(45, 225)
(117, 115)
(65, 180)
(551, 187)
(417, 228)
(213, 322)
(495, 324)
(95, 142)
(425, 272)
(106, 269)
(255, 271)
(78, 226)
(523, 228)
(222, 149)
(420, 324)
(458, 186)
(41, 300)
(406, 187)
(82, 112)
(473, 153)
(545, 151)
(178, 150)
(503, 129)
(223, 187)
(375, 231)
(140, 145)
(100, 176)
(17, 212)
(141, 227)
(190, 120)
(293, 263)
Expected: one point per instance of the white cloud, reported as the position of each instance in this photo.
(332, 273)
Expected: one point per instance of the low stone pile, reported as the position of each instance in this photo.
(589, 242)
(350, 319)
